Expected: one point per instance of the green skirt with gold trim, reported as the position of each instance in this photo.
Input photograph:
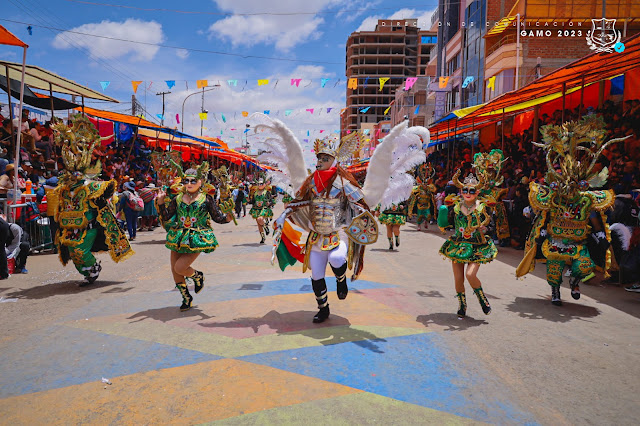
(469, 252)
(184, 240)
(258, 212)
(392, 219)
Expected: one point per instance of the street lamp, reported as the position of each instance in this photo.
(197, 93)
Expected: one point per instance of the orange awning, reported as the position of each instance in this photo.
(7, 38)
(121, 118)
(589, 69)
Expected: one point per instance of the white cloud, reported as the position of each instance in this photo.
(182, 53)
(423, 17)
(283, 31)
(131, 29)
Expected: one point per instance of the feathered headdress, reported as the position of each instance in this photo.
(78, 143)
(489, 166)
(342, 150)
(574, 148)
(425, 174)
(164, 165)
(200, 172)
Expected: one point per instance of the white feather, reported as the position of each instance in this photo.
(623, 232)
(292, 163)
(379, 169)
(280, 180)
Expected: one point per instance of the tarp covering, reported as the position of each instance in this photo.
(35, 99)
(7, 38)
(39, 78)
(120, 118)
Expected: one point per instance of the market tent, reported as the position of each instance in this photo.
(39, 78)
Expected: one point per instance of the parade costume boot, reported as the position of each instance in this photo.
(93, 273)
(486, 307)
(555, 295)
(341, 281)
(198, 281)
(262, 237)
(186, 296)
(397, 240)
(574, 283)
(266, 226)
(390, 243)
(320, 290)
(462, 301)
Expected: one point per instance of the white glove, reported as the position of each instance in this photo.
(282, 217)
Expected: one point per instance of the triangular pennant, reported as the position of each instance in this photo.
(386, 111)
(135, 85)
(245, 113)
(408, 84)
(288, 112)
(467, 81)
(232, 83)
(382, 81)
(363, 110)
(417, 109)
(329, 110)
(492, 83)
(170, 83)
(310, 110)
(202, 115)
(267, 111)
(443, 82)
(202, 83)
(296, 81)
(263, 82)
(104, 84)
(224, 119)
(178, 118)
(352, 84)
(324, 81)
(160, 116)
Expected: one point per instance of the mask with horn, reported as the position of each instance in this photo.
(425, 174)
(572, 151)
(78, 143)
(489, 166)
(469, 182)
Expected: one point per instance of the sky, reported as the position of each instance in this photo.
(213, 40)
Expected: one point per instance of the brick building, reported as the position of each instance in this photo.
(396, 49)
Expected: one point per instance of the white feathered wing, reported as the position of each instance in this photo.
(400, 151)
(283, 150)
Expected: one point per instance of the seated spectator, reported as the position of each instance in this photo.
(7, 180)
(18, 248)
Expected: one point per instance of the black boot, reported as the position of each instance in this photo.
(397, 240)
(462, 305)
(198, 281)
(341, 281)
(320, 290)
(574, 283)
(186, 297)
(390, 243)
(555, 295)
(486, 307)
(266, 227)
(262, 238)
(93, 273)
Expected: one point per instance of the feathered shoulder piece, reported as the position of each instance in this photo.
(400, 151)
(283, 150)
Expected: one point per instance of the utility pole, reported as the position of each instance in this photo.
(159, 94)
(202, 111)
(133, 105)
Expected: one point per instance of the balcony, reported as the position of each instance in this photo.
(503, 54)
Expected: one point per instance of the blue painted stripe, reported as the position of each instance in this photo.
(63, 356)
(413, 369)
(126, 303)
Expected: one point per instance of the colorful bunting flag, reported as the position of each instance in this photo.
(288, 112)
(467, 81)
(417, 110)
(366, 131)
(492, 83)
(245, 113)
(296, 81)
(135, 85)
(232, 83)
(178, 118)
(224, 119)
(104, 84)
(410, 82)
(324, 81)
(202, 83)
(364, 110)
(308, 133)
(202, 115)
(383, 80)
(246, 131)
(329, 110)
(170, 83)
(321, 131)
(160, 116)
(342, 111)
(267, 111)
(443, 82)
(386, 111)
(263, 82)
(352, 84)
(310, 110)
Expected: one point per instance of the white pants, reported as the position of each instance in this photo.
(318, 260)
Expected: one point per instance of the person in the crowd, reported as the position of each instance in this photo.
(127, 205)
(5, 237)
(7, 180)
(18, 248)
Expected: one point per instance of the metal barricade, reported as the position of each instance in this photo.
(38, 228)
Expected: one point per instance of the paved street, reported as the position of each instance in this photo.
(393, 352)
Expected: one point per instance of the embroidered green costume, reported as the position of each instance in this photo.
(468, 244)
(261, 203)
(421, 202)
(188, 225)
(396, 214)
(489, 166)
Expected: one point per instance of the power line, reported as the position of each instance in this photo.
(273, 58)
(228, 14)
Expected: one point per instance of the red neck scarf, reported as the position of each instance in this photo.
(322, 177)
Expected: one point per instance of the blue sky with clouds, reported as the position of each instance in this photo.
(310, 35)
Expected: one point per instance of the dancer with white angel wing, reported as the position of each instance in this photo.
(330, 199)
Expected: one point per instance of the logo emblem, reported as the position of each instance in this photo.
(603, 36)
